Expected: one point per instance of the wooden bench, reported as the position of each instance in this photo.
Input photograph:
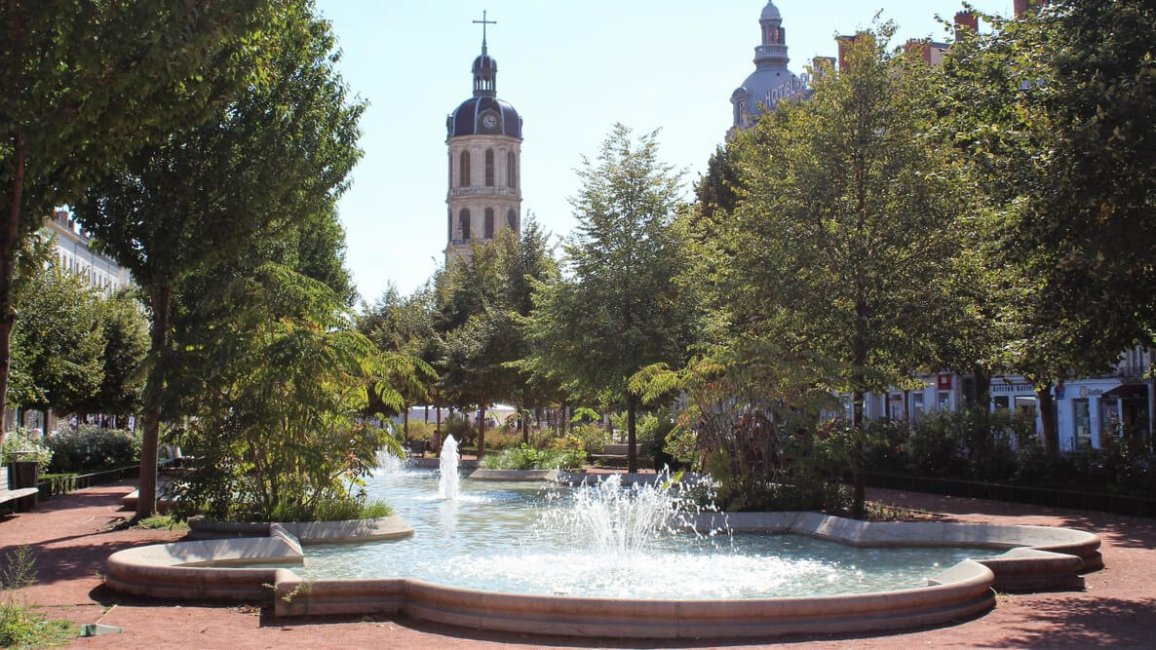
(8, 494)
(415, 448)
(615, 454)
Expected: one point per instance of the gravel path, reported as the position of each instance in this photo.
(72, 535)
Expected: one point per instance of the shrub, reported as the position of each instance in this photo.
(526, 457)
(592, 436)
(25, 445)
(343, 509)
(90, 448)
(419, 430)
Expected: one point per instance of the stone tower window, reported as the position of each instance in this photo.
(512, 220)
(489, 225)
(489, 167)
(464, 170)
(464, 223)
(511, 170)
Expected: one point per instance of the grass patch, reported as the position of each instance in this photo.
(163, 522)
(878, 511)
(20, 625)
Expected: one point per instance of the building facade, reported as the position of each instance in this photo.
(76, 255)
(484, 158)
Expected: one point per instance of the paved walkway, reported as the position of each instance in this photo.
(72, 536)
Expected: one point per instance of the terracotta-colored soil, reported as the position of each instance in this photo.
(72, 535)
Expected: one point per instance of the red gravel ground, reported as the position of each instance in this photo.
(72, 535)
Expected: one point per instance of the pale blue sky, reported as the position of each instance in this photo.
(571, 69)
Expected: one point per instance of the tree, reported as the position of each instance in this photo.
(58, 342)
(1057, 117)
(401, 326)
(279, 152)
(617, 307)
(126, 343)
(87, 82)
(849, 230)
(279, 413)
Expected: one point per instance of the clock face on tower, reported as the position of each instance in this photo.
(490, 121)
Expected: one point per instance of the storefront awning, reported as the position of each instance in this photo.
(1127, 391)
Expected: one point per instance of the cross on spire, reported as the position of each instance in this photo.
(483, 22)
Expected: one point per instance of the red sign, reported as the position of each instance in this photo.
(943, 381)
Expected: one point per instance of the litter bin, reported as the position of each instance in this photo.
(24, 474)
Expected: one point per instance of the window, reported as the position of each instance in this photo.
(489, 225)
(1082, 419)
(512, 220)
(489, 167)
(464, 170)
(464, 223)
(511, 170)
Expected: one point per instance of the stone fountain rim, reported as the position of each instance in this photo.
(1039, 558)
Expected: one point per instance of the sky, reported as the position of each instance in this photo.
(572, 70)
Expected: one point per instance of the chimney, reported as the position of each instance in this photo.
(968, 20)
(1022, 6)
(845, 43)
(823, 65)
(918, 47)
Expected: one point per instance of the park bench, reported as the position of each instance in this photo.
(615, 454)
(415, 448)
(9, 494)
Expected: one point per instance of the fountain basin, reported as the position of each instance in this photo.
(1040, 558)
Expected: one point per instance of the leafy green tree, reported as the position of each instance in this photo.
(126, 343)
(617, 307)
(279, 418)
(401, 326)
(87, 82)
(58, 343)
(275, 154)
(476, 335)
(850, 230)
(1056, 114)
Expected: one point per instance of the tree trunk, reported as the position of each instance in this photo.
(1048, 419)
(160, 299)
(631, 435)
(858, 379)
(481, 430)
(9, 244)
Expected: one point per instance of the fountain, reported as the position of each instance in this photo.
(389, 464)
(606, 561)
(449, 481)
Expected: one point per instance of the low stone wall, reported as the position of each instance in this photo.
(321, 532)
(545, 475)
(180, 571)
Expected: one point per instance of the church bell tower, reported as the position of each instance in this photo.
(484, 147)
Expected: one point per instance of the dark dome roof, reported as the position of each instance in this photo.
(485, 63)
(467, 118)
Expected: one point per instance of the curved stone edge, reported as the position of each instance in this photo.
(192, 570)
(179, 571)
(1040, 558)
(965, 591)
(546, 475)
(353, 531)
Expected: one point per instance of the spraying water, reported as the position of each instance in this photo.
(388, 464)
(448, 481)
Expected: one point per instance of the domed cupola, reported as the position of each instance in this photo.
(484, 113)
(771, 80)
(485, 74)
